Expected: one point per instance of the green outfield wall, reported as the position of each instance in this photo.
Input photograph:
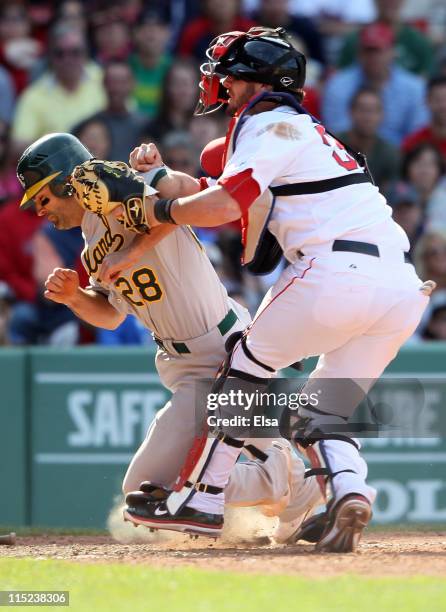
(70, 421)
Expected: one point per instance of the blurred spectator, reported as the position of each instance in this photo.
(6, 301)
(10, 188)
(229, 242)
(435, 132)
(407, 211)
(276, 13)
(401, 92)
(130, 332)
(429, 15)
(16, 260)
(366, 117)
(111, 40)
(48, 322)
(125, 124)
(130, 10)
(217, 16)
(71, 91)
(178, 99)
(181, 12)
(18, 50)
(127, 11)
(434, 320)
(430, 258)
(179, 153)
(7, 95)
(95, 135)
(436, 208)
(414, 52)
(206, 128)
(151, 60)
(423, 168)
(72, 12)
(344, 11)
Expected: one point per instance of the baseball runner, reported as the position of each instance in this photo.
(349, 294)
(174, 291)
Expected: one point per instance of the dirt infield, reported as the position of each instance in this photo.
(380, 554)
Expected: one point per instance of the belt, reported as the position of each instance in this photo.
(365, 248)
(223, 327)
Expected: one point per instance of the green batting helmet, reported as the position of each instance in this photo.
(50, 161)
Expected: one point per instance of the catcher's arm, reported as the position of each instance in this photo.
(171, 183)
(62, 286)
(119, 261)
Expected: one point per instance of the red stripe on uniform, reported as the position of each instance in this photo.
(283, 291)
(248, 329)
(242, 187)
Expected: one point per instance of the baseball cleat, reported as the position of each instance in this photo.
(311, 529)
(187, 520)
(147, 493)
(157, 492)
(346, 522)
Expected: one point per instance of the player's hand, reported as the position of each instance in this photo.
(145, 157)
(116, 263)
(62, 285)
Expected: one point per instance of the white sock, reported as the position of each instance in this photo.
(216, 474)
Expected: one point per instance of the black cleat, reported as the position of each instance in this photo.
(312, 529)
(147, 493)
(155, 515)
(158, 492)
(346, 521)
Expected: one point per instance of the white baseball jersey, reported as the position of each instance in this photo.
(352, 309)
(282, 147)
(173, 289)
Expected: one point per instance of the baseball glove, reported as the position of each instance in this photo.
(101, 186)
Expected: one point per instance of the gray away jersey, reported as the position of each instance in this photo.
(173, 289)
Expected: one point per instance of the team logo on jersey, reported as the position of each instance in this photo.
(282, 129)
(286, 81)
(93, 256)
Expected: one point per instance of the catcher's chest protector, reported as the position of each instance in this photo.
(261, 251)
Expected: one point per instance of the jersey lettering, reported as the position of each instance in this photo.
(340, 155)
(143, 284)
(94, 256)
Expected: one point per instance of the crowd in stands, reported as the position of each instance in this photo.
(120, 72)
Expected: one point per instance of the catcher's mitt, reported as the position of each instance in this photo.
(101, 186)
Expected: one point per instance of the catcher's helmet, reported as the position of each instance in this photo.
(50, 161)
(263, 55)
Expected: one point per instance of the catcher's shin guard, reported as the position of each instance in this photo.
(200, 455)
(312, 433)
(190, 479)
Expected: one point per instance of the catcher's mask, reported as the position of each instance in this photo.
(263, 55)
(50, 161)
